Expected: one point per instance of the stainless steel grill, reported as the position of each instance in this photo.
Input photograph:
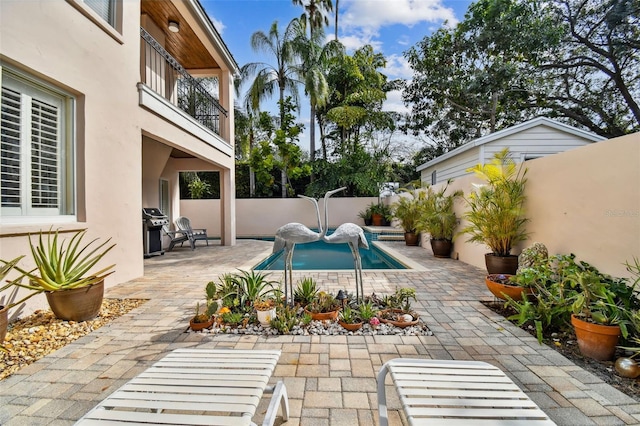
(152, 222)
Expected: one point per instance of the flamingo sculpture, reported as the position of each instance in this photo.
(351, 234)
(287, 236)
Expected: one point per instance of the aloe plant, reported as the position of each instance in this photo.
(66, 265)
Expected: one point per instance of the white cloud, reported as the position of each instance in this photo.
(373, 14)
(355, 41)
(397, 67)
(217, 24)
(394, 102)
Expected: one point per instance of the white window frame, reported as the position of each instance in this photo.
(31, 89)
(112, 25)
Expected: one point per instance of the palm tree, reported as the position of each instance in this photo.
(315, 61)
(337, 10)
(281, 76)
(314, 57)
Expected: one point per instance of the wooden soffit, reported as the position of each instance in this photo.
(184, 45)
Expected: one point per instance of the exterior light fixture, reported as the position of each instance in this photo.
(341, 296)
(174, 27)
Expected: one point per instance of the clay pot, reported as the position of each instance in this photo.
(441, 248)
(323, 316)
(596, 341)
(197, 326)
(499, 290)
(77, 304)
(401, 324)
(411, 238)
(351, 327)
(501, 264)
(377, 219)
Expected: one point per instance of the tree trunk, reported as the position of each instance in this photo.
(312, 133)
(337, 9)
(283, 182)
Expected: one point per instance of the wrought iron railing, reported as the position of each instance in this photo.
(165, 76)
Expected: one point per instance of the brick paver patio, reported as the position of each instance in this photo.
(330, 379)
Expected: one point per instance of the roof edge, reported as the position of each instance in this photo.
(509, 131)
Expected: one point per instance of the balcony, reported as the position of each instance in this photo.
(168, 80)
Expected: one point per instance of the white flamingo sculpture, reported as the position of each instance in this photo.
(287, 236)
(351, 234)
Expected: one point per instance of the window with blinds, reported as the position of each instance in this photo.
(105, 8)
(34, 151)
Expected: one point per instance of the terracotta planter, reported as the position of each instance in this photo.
(351, 327)
(4, 322)
(401, 324)
(197, 326)
(501, 264)
(77, 304)
(323, 316)
(595, 340)
(441, 248)
(377, 219)
(499, 290)
(265, 317)
(411, 238)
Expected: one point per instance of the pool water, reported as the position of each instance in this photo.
(321, 256)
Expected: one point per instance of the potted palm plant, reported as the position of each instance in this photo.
(439, 219)
(63, 272)
(407, 210)
(495, 214)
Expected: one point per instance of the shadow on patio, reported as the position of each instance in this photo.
(330, 379)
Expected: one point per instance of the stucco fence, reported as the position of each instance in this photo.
(584, 201)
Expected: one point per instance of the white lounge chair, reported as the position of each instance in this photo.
(457, 393)
(196, 387)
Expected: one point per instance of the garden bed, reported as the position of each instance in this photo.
(565, 343)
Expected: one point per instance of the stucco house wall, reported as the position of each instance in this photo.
(533, 139)
(122, 146)
(584, 201)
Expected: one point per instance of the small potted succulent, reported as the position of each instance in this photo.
(350, 319)
(398, 310)
(201, 320)
(323, 307)
(265, 310)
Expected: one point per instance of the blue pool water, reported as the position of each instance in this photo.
(320, 255)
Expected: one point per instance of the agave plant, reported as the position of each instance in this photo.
(66, 265)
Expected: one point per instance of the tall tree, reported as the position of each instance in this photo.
(509, 60)
(358, 91)
(280, 75)
(313, 56)
(316, 56)
(337, 11)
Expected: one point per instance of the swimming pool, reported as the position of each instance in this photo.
(321, 256)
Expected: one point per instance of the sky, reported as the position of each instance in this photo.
(390, 26)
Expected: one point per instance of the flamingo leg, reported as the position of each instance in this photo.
(356, 258)
(290, 262)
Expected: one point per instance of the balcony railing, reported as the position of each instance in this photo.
(165, 76)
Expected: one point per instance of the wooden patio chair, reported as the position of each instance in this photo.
(184, 225)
